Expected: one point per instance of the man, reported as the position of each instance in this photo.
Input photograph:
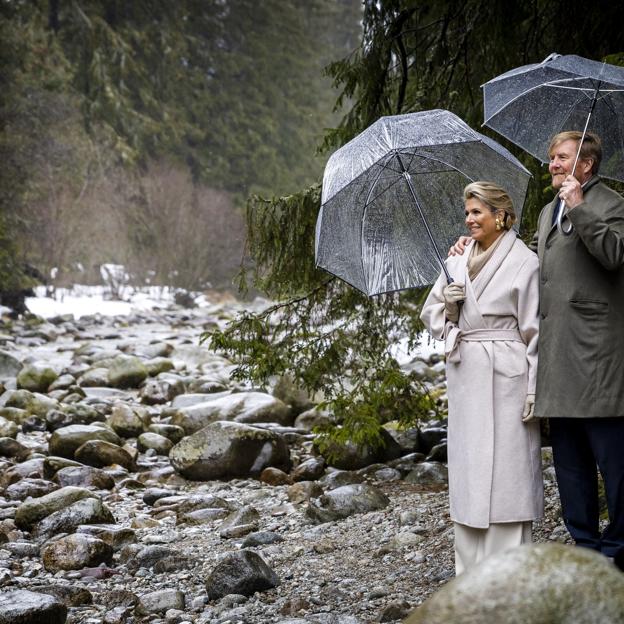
(580, 373)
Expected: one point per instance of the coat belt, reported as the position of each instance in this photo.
(456, 335)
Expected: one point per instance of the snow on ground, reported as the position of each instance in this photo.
(87, 300)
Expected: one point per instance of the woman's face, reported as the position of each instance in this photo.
(481, 222)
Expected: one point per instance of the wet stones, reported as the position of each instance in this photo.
(346, 501)
(36, 377)
(74, 552)
(26, 607)
(34, 510)
(66, 440)
(243, 572)
(126, 372)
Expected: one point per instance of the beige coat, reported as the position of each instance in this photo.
(493, 457)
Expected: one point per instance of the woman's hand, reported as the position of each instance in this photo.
(458, 248)
(529, 405)
(453, 293)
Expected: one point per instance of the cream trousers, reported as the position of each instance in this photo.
(473, 545)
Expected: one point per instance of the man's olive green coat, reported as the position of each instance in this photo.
(580, 369)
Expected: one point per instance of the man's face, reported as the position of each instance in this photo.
(562, 158)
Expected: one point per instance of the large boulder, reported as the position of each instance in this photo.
(244, 407)
(346, 501)
(539, 583)
(227, 449)
(65, 441)
(19, 606)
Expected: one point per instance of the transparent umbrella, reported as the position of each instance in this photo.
(530, 104)
(393, 198)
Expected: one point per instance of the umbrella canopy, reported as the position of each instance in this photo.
(530, 104)
(393, 197)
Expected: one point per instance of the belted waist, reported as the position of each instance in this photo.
(456, 335)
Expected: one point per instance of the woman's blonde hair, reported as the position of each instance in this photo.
(494, 197)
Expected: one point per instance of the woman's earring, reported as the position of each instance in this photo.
(499, 224)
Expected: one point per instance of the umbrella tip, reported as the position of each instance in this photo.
(551, 57)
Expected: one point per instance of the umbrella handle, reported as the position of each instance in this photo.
(564, 230)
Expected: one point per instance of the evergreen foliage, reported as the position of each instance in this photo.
(414, 55)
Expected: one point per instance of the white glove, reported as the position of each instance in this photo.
(529, 404)
(453, 293)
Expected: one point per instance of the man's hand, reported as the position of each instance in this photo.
(458, 248)
(571, 192)
(453, 294)
(529, 405)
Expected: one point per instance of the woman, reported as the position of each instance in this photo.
(488, 318)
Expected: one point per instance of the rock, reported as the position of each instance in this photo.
(86, 511)
(84, 476)
(128, 422)
(173, 432)
(261, 538)
(29, 469)
(65, 441)
(70, 596)
(151, 495)
(240, 522)
(428, 438)
(52, 464)
(8, 428)
(274, 476)
(351, 456)
(12, 448)
(34, 510)
(126, 372)
(99, 454)
(160, 601)
(226, 449)
(115, 536)
(394, 611)
(438, 453)
(28, 487)
(74, 552)
(36, 377)
(33, 402)
(243, 572)
(10, 366)
(14, 414)
(313, 418)
(337, 478)
(244, 407)
(534, 583)
(346, 501)
(154, 441)
(303, 491)
(297, 399)
(19, 606)
(156, 366)
(309, 470)
(94, 378)
(158, 391)
(429, 475)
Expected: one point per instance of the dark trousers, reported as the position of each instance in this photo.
(579, 445)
